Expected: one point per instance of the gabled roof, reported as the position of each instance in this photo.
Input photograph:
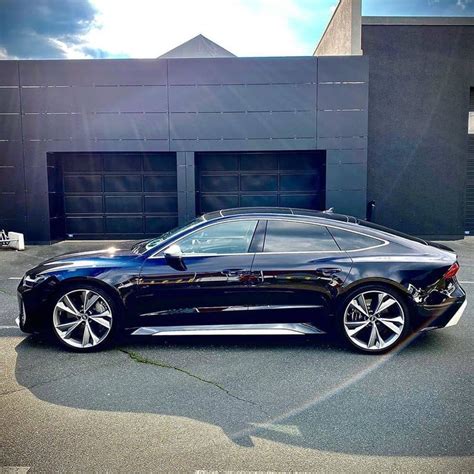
(198, 47)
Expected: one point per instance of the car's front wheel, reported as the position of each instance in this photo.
(84, 318)
(374, 319)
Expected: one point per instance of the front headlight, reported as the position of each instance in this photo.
(33, 280)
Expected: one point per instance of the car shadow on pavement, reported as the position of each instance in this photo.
(307, 392)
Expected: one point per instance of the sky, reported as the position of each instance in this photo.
(82, 29)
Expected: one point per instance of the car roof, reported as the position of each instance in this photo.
(281, 211)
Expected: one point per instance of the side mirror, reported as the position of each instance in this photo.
(174, 257)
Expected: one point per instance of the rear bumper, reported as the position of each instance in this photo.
(445, 314)
(457, 315)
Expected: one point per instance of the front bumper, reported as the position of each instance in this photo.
(33, 306)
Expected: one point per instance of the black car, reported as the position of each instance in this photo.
(250, 271)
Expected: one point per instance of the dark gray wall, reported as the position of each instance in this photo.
(179, 105)
(418, 113)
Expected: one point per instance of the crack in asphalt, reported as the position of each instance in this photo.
(144, 360)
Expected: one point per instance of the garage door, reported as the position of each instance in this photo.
(119, 196)
(294, 179)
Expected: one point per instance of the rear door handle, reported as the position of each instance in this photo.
(234, 272)
(328, 271)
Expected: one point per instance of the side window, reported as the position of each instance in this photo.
(287, 236)
(352, 241)
(226, 237)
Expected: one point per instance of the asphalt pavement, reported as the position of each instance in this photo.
(234, 404)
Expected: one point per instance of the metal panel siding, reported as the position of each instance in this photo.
(353, 202)
(241, 98)
(343, 143)
(346, 123)
(243, 126)
(335, 157)
(10, 127)
(343, 69)
(242, 71)
(345, 176)
(95, 126)
(244, 144)
(11, 153)
(343, 96)
(9, 73)
(94, 99)
(342, 130)
(9, 100)
(93, 72)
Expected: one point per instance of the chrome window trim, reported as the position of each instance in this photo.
(295, 219)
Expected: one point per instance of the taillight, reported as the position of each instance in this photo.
(453, 269)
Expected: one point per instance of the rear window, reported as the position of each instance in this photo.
(371, 225)
(352, 241)
(284, 236)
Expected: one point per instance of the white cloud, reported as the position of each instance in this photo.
(148, 28)
(4, 54)
(71, 51)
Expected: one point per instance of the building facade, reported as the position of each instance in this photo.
(129, 148)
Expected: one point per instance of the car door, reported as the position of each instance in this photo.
(299, 269)
(206, 283)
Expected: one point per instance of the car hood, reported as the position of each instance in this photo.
(110, 257)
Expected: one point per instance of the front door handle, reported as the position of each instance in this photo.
(328, 271)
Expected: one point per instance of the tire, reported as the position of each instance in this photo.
(84, 330)
(373, 319)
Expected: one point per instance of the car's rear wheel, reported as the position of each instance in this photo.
(84, 318)
(374, 319)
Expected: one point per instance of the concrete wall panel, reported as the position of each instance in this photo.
(418, 113)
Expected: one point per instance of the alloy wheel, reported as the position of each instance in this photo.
(82, 318)
(374, 320)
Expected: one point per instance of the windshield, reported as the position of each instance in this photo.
(146, 245)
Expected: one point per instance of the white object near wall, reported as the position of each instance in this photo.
(17, 240)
